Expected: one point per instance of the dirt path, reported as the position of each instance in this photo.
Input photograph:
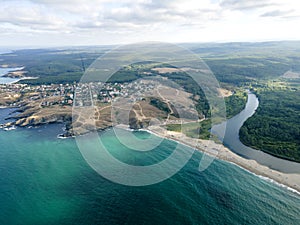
(141, 111)
(167, 102)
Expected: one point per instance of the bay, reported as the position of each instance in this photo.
(8, 80)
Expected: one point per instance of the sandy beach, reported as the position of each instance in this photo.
(291, 181)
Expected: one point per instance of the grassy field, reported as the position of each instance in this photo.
(194, 130)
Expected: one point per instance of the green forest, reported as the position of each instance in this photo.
(235, 103)
(275, 127)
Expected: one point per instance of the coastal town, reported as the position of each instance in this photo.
(139, 101)
(13, 94)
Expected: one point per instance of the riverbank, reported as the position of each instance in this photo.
(291, 181)
(231, 139)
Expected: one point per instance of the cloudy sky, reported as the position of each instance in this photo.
(89, 22)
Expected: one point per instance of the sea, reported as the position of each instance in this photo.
(45, 180)
(8, 80)
(4, 71)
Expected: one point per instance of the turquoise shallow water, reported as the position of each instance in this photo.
(45, 180)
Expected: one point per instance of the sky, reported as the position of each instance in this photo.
(106, 22)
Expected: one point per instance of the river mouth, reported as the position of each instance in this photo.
(232, 140)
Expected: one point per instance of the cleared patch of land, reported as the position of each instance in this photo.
(224, 92)
(291, 75)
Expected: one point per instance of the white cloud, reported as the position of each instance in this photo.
(270, 8)
(246, 4)
(137, 20)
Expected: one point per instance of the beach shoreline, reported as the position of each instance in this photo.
(288, 181)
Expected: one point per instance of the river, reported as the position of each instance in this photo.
(232, 141)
